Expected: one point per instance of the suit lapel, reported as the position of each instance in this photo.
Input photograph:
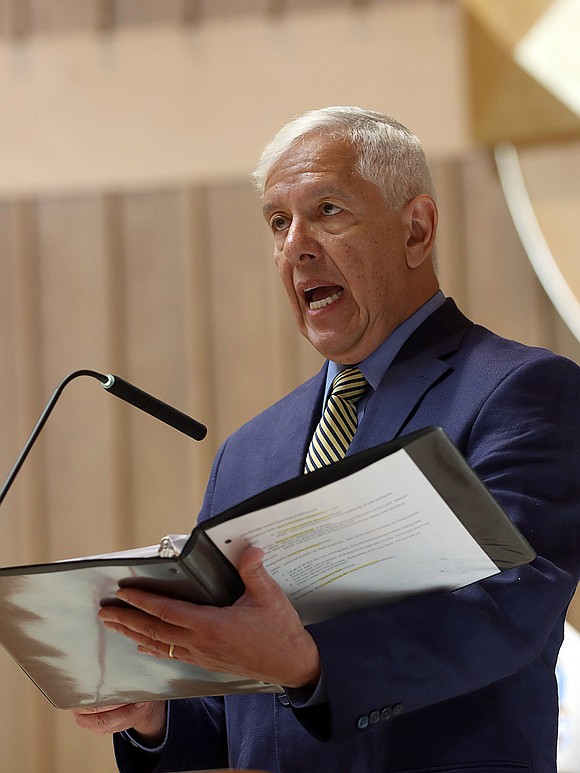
(394, 401)
(293, 428)
(424, 360)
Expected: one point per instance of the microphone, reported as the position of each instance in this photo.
(125, 391)
(146, 402)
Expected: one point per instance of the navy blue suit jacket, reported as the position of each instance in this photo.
(445, 682)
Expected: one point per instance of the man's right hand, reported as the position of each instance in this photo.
(147, 720)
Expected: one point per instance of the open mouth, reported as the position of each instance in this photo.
(319, 297)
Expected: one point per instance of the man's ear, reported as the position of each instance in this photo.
(420, 218)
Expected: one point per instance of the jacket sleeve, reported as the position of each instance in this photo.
(196, 739)
(524, 444)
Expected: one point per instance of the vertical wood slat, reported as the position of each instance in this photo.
(72, 274)
(115, 323)
(156, 301)
(30, 486)
(501, 286)
(72, 265)
(199, 362)
(451, 236)
(21, 521)
(10, 438)
(240, 306)
(31, 527)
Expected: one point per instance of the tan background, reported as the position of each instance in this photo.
(131, 242)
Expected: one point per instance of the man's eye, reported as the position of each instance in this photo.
(278, 223)
(330, 209)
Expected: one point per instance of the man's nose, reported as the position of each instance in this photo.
(300, 243)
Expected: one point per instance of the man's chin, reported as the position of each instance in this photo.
(333, 346)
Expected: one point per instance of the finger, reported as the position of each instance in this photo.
(168, 610)
(260, 587)
(157, 647)
(251, 558)
(147, 631)
(130, 620)
(99, 709)
(104, 722)
(164, 651)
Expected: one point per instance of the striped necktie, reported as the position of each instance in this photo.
(336, 428)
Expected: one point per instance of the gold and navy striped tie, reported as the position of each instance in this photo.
(336, 429)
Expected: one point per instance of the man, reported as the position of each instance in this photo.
(450, 681)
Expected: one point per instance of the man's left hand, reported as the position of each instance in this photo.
(260, 636)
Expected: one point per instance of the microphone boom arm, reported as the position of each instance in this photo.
(125, 391)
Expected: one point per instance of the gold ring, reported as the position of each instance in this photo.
(171, 650)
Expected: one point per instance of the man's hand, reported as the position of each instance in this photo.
(260, 636)
(146, 719)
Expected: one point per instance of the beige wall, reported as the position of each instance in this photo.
(130, 241)
(148, 104)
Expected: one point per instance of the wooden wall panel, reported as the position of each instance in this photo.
(158, 351)
(23, 337)
(74, 335)
(240, 306)
(482, 263)
(502, 290)
(451, 237)
(200, 363)
(176, 291)
(12, 432)
(20, 707)
(57, 503)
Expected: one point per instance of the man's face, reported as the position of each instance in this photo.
(339, 251)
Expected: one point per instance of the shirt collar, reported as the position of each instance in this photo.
(376, 364)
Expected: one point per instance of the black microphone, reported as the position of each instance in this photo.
(125, 391)
(137, 397)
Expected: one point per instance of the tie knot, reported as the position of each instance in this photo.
(350, 384)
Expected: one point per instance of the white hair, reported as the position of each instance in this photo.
(387, 153)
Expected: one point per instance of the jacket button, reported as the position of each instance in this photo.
(374, 717)
(362, 722)
(397, 709)
(283, 698)
(386, 712)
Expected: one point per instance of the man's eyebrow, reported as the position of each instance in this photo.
(319, 193)
(269, 208)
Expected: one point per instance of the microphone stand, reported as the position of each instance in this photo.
(125, 391)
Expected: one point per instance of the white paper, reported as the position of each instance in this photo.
(370, 538)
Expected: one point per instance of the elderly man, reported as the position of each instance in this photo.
(449, 681)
